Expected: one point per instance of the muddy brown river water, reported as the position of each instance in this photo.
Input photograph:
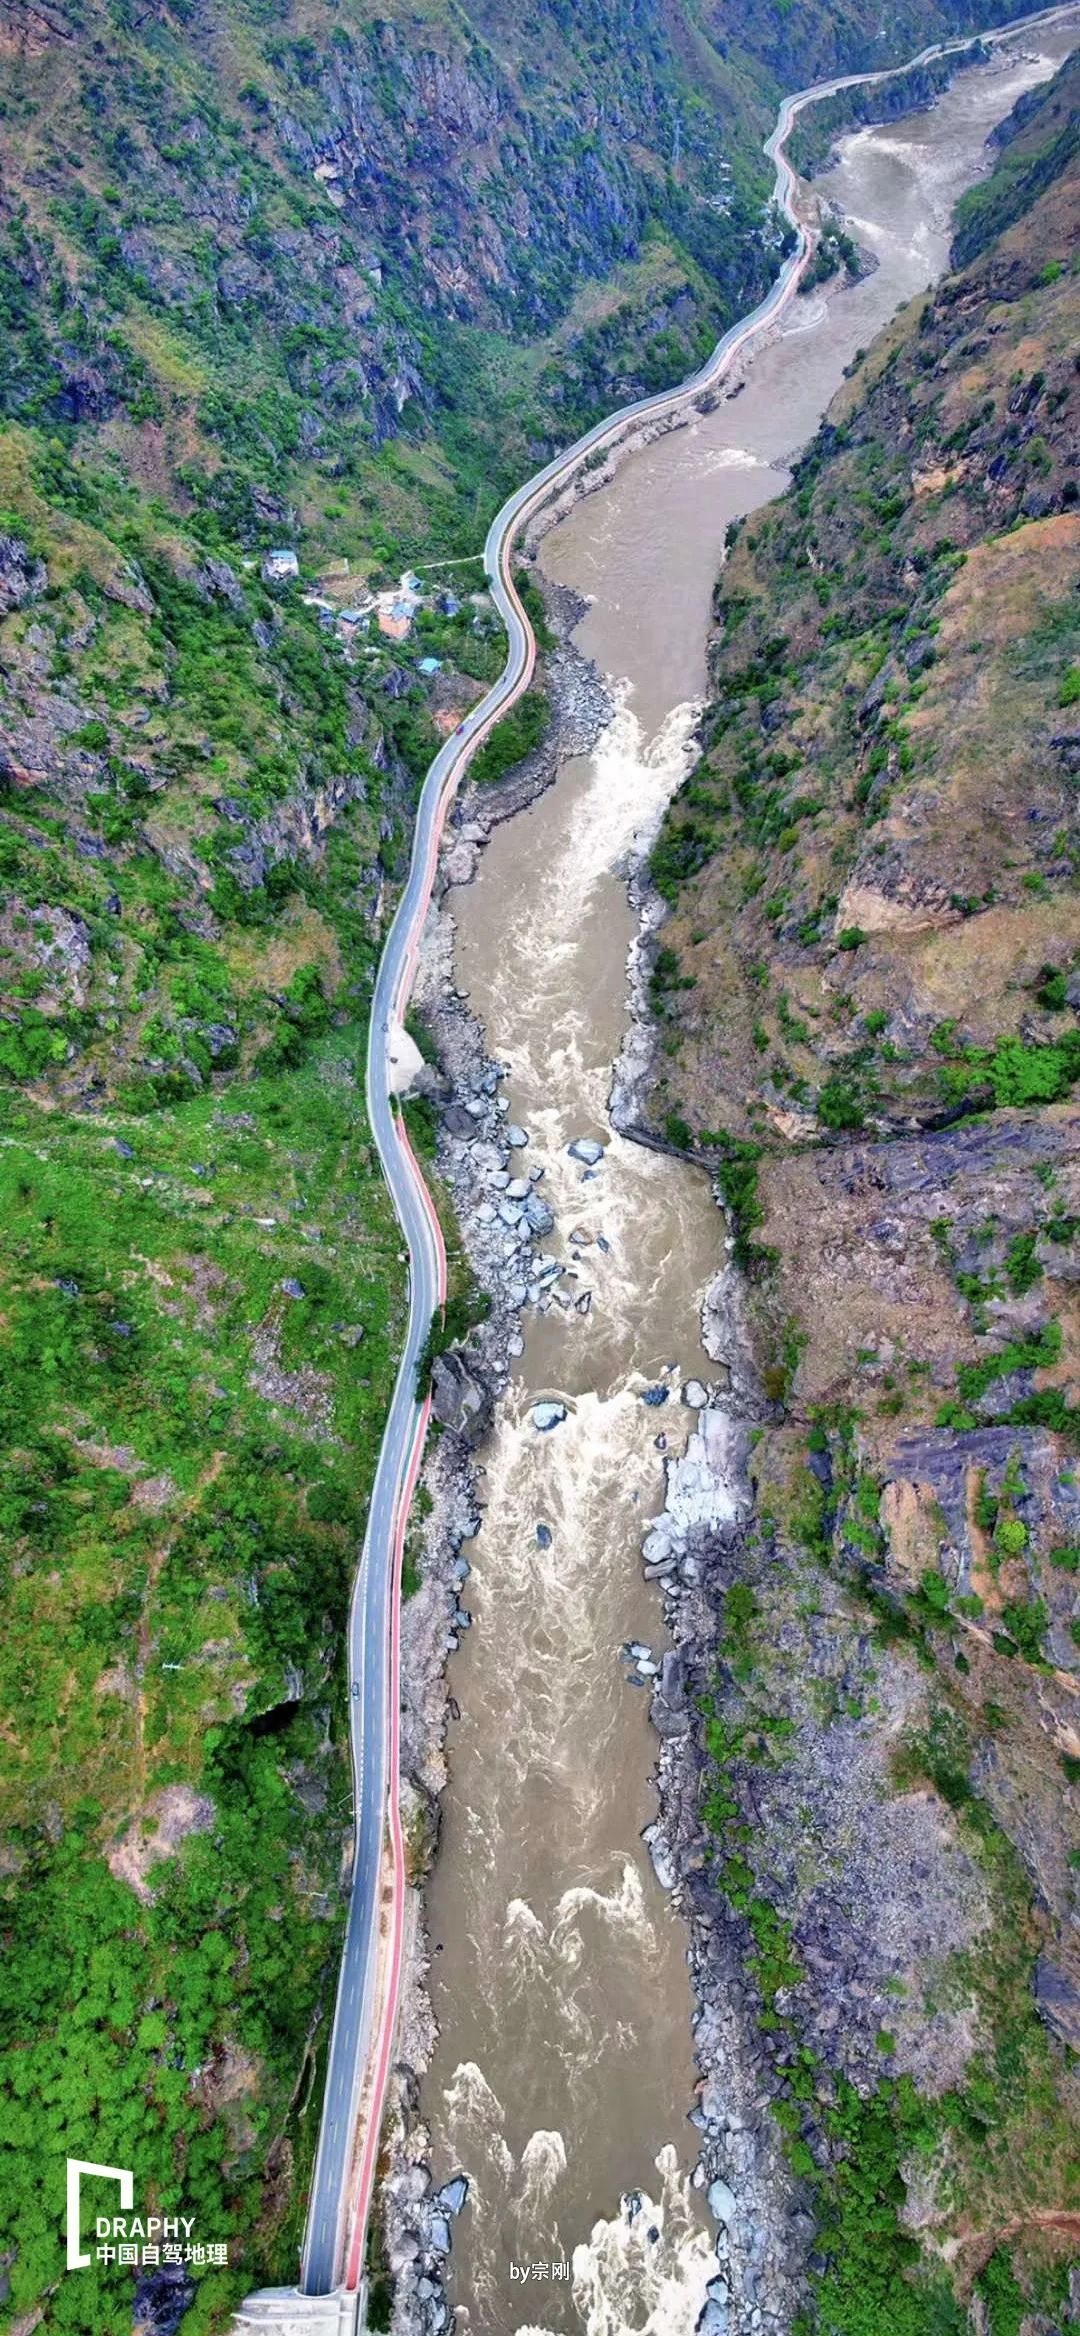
(563, 2074)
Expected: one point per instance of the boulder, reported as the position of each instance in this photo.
(547, 1416)
(459, 1399)
(585, 1149)
(517, 1136)
(451, 2198)
(722, 2202)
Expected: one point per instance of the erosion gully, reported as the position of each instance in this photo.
(563, 2073)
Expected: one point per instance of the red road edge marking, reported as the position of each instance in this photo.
(397, 1862)
(397, 1847)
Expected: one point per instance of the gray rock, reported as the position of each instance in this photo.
(547, 1416)
(22, 577)
(517, 1136)
(518, 1188)
(457, 1121)
(457, 1398)
(661, 1860)
(451, 2198)
(293, 1289)
(695, 1394)
(439, 2235)
(543, 1535)
(722, 2202)
(584, 1148)
(1057, 1999)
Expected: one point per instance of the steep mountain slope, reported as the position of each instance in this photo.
(320, 278)
(248, 245)
(868, 998)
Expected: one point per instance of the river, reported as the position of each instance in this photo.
(563, 2074)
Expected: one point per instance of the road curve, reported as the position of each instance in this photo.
(362, 2037)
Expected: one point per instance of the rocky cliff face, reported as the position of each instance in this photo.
(324, 280)
(252, 252)
(868, 986)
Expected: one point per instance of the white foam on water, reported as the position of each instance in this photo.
(474, 2123)
(628, 2281)
(805, 319)
(728, 458)
(629, 781)
(622, 1909)
(543, 2162)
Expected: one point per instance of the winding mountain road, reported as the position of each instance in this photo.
(362, 2038)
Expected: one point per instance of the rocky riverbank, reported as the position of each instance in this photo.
(504, 1219)
(694, 1552)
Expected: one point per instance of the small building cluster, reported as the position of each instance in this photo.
(392, 612)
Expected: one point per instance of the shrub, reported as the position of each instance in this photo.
(512, 739)
(839, 1104)
(1026, 1619)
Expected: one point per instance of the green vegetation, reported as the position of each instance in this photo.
(1041, 142)
(511, 740)
(180, 1537)
(851, 633)
(210, 345)
(1017, 1072)
(865, 992)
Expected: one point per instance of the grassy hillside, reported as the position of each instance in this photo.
(307, 265)
(326, 278)
(868, 997)
(322, 279)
